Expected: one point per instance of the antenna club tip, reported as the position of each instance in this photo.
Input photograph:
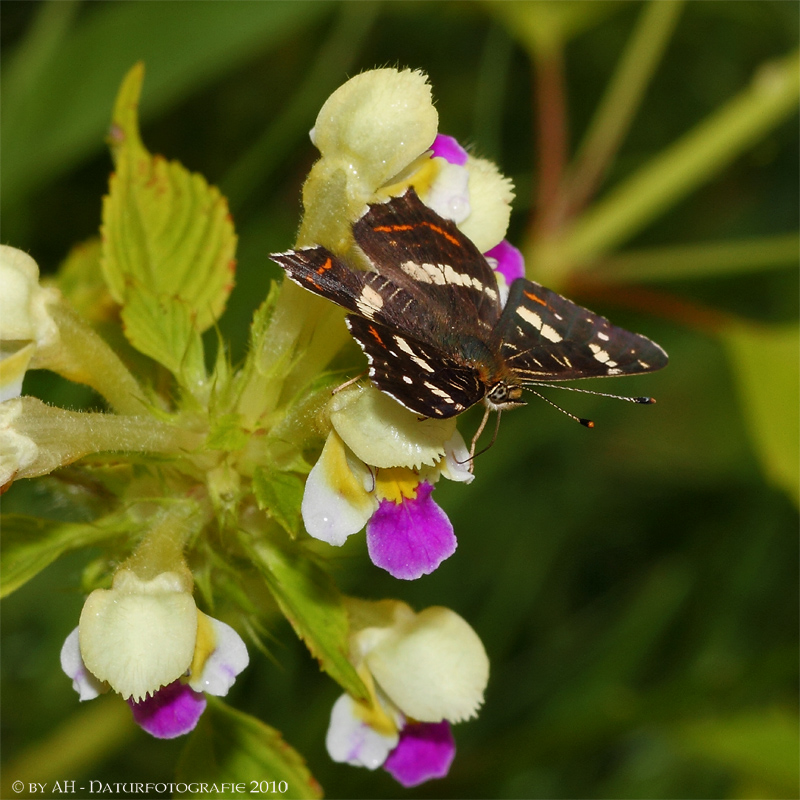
(647, 401)
(587, 423)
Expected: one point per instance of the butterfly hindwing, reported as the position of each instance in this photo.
(543, 336)
(417, 375)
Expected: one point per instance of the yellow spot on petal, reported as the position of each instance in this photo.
(373, 713)
(204, 646)
(12, 370)
(396, 483)
(338, 474)
(422, 179)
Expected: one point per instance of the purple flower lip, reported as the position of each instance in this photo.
(425, 751)
(507, 260)
(412, 538)
(172, 711)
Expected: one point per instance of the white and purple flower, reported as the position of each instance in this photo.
(424, 672)
(146, 640)
(378, 468)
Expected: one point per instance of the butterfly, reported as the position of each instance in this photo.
(430, 317)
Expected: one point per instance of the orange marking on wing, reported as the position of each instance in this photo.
(377, 336)
(535, 299)
(435, 228)
(442, 232)
(325, 267)
(392, 228)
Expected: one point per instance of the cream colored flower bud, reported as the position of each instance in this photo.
(17, 450)
(23, 316)
(36, 438)
(139, 635)
(431, 665)
(377, 123)
(25, 322)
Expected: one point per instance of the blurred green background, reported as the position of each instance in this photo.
(635, 586)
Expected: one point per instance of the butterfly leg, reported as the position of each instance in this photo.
(344, 385)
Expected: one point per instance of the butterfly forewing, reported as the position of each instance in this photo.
(542, 336)
(420, 251)
(417, 375)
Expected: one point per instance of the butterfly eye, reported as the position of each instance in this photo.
(498, 394)
(504, 394)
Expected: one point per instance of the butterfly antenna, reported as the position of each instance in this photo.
(587, 423)
(647, 401)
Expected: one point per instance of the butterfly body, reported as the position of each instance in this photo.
(430, 318)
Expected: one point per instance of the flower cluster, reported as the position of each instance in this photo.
(207, 469)
(424, 671)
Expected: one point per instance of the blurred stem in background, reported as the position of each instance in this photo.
(617, 110)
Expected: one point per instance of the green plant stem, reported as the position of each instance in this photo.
(681, 168)
(706, 259)
(51, 24)
(61, 437)
(621, 101)
(83, 356)
(491, 91)
(551, 117)
(656, 302)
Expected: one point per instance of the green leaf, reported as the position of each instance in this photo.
(259, 388)
(80, 279)
(760, 746)
(280, 495)
(231, 747)
(309, 599)
(167, 235)
(622, 97)
(28, 544)
(165, 330)
(262, 319)
(767, 366)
